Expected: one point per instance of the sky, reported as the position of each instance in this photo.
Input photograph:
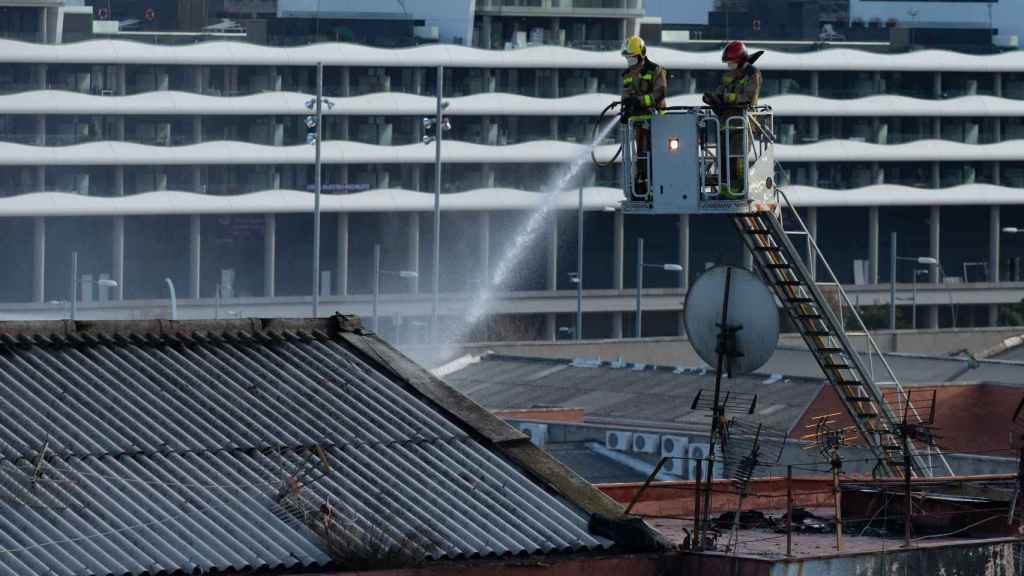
(680, 11)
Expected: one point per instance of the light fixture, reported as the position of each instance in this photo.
(673, 144)
(311, 103)
(311, 138)
(310, 122)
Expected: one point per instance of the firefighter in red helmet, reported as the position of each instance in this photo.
(738, 92)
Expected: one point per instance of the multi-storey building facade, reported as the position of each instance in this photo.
(190, 163)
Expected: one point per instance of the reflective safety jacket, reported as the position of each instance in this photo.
(647, 84)
(740, 88)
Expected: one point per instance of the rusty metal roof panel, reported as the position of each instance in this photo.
(169, 454)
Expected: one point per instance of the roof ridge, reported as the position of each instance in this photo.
(160, 327)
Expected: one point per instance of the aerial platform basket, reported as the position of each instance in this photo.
(690, 161)
(699, 163)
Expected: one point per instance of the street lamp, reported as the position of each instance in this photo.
(104, 282)
(315, 137)
(640, 265)
(174, 298)
(440, 124)
(377, 273)
(893, 260)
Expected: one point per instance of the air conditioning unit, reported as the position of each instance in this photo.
(699, 451)
(646, 443)
(538, 433)
(676, 447)
(618, 440)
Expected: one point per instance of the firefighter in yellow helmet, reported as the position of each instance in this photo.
(644, 91)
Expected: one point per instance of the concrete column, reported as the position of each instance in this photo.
(269, 255)
(877, 173)
(556, 25)
(117, 188)
(873, 245)
(683, 239)
(39, 259)
(937, 85)
(485, 32)
(118, 258)
(197, 171)
(689, 83)
(40, 139)
(813, 128)
(934, 238)
(484, 245)
(993, 258)
(815, 80)
(618, 251)
(160, 179)
(194, 255)
(551, 280)
(413, 258)
(812, 229)
(550, 320)
(341, 279)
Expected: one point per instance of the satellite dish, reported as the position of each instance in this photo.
(751, 305)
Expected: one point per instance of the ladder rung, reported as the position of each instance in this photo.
(759, 232)
(832, 366)
(818, 333)
(767, 249)
(810, 316)
(865, 415)
(800, 300)
(789, 283)
(778, 266)
(859, 398)
(831, 350)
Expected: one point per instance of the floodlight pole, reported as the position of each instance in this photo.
(436, 272)
(638, 323)
(74, 285)
(579, 267)
(316, 193)
(892, 282)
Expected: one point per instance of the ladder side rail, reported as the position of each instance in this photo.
(801, 272)
(855, 356)
(830, 318)
(860, 322)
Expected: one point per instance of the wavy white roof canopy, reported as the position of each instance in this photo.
(397, 200)
(111, 153)
(338, 54)
(485, 104)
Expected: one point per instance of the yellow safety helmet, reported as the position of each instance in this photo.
(634, 46)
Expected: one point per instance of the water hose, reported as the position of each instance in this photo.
(593, 136)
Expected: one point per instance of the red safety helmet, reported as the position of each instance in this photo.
(735, 51)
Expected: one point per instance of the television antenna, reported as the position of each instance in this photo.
(828, 437)
(745, 446)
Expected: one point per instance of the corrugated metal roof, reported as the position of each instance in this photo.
(166, 454)
(624, 394)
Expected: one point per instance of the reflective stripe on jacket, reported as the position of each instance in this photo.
(648, 83)
(741, 87)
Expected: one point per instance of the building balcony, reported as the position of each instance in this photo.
(570, 8)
